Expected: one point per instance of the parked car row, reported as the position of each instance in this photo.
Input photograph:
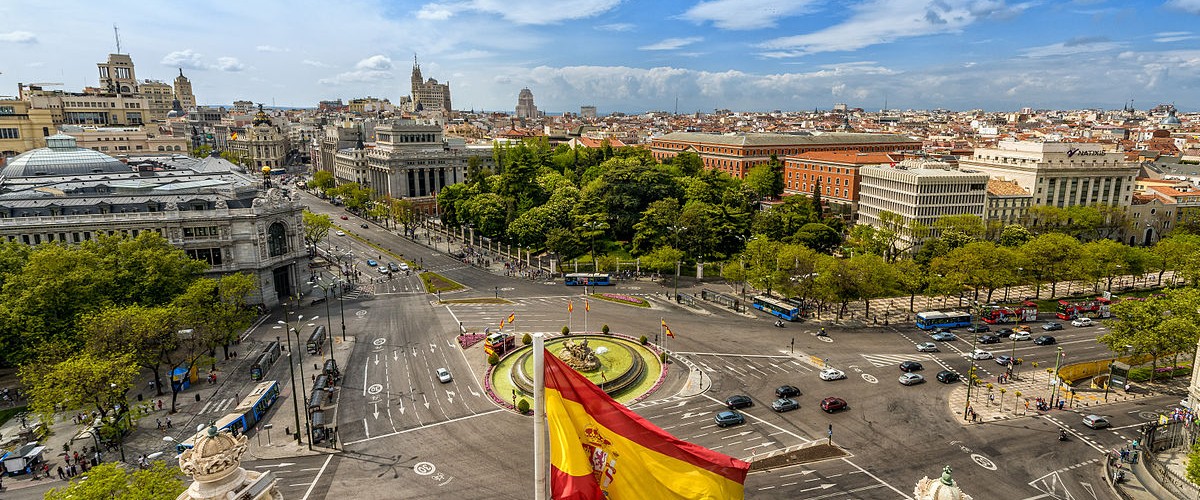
(785, 401)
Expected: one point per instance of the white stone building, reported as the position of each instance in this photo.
(920, 190)
(1059, 174)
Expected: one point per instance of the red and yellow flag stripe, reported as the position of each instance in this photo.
(600, 449)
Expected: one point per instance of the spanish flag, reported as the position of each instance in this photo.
(601, 450)
(570, 306)
(512, 317)
(233, 136)
(586, 306)
(667, 328)
(501, 323)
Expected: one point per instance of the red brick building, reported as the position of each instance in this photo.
(736, 154)
(836, 170)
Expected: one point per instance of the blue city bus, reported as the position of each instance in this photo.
(778, 308)
(584, 279)
(252, 408)
(929, 320)
(264, 361)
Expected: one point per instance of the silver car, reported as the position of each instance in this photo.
(444, 375)
(911, 379)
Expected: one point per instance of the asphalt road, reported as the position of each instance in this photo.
(407, 435)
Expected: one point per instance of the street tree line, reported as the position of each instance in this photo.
(81, 322)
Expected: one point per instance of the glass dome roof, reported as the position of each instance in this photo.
(62, 157)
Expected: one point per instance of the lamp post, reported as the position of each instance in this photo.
(292, 372)
(970, 385)
(1057, 364)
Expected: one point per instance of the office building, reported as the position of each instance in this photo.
(22, 127)
(429, 95)
(837, 172)
(1059, 174)
(413, 160)
(919, 190)
(183, 92)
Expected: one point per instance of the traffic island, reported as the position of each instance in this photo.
(805, 455)
(621, 366)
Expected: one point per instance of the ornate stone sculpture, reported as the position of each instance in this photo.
(941, 489)
(579, 356)
(215, 465)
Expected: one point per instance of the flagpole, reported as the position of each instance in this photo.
(540, 459)
(586, 309)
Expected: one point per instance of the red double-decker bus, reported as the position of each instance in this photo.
(1027, 311)
(1097, 308)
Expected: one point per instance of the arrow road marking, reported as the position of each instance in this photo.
(821, 487)
(376, 359)
(423, 398)
(473, 393)
(279, 465)
(743, 433)
(450, 396)
(395, 355)
(432, 347)
(376, 412)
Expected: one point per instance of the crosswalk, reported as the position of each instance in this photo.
(218, 406)
(895, 359)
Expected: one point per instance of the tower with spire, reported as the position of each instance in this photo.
(183, 91)
(427, 94)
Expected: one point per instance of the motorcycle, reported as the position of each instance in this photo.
(779, 323)
(1062, 435)
(822, 333)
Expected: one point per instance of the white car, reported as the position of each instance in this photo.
(403, 266)
(927, 347)
(1082, 322)
(1018, 335)
(341, 233)
(444, 375)
(981, 354)
(832, 374)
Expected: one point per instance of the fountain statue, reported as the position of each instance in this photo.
(939, 489)
(579, 356)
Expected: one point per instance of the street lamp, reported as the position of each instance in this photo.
(292, 370)
(1057, 364)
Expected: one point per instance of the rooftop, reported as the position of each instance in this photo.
(797, 139)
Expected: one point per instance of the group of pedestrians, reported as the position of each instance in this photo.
(75, 465)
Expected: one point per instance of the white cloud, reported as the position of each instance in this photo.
(18, 37)
(269, 48)
(1190, 6)
(230, 64)
(671, 43)
(378, 62)
(469, 54)
(356, 76)
(524, 12)
(745, 14)
(616, 27)
(187, 59)
(883, 21)
(318, 64)
(1174, 36)
(1074, 46)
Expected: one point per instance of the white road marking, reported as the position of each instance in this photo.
(318, 478)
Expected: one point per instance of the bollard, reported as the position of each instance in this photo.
(197, 397)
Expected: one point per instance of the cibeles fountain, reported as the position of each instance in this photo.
(215, 464)
(943, 488)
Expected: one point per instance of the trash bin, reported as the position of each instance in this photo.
(197, 397)
(139, 398)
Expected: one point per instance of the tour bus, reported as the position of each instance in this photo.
(265, 359)
(929, 320)
(584, 279)
(317, 340)
(776, 307)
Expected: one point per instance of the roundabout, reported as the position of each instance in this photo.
(622, 367)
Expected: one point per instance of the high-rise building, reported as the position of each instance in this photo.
(183, 91)
(159, 98)
(117, 75)
(587, 112)
(429, 95)
(525, 106)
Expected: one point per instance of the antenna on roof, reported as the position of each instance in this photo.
(117, 35)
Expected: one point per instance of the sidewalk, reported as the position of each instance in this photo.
(1032, 385)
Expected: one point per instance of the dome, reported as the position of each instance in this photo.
(62, 157)
(1170, 119)
(944, 488)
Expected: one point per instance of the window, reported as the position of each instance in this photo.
(277, 240)
(7, 110)
(10, 133)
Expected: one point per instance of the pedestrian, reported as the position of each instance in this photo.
(158, 423)
(168, 422)
(160, 404)
(62, 475)
(75, 455)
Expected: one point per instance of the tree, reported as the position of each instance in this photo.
(1014, 235)
(1107, 259)
(818, 208)
(322, 181)
(82, 382)
(1155, 326)
(566, 243)
(766, 179)
(1047, 258)
(651, 229)
(912, 279)
(817, 236)
(214, 312)
(316, 228)
(898, 233)
(1179, 252)
(662, 259)
(959, 230)
(110, 481)
(146, 333)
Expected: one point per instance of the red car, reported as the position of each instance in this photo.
(831, 405)
(345, 218)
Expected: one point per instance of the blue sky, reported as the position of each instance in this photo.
(631, 55)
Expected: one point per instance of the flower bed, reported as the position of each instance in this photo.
(467, 340)
(624, 299)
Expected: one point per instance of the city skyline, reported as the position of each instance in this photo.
(752, 55)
